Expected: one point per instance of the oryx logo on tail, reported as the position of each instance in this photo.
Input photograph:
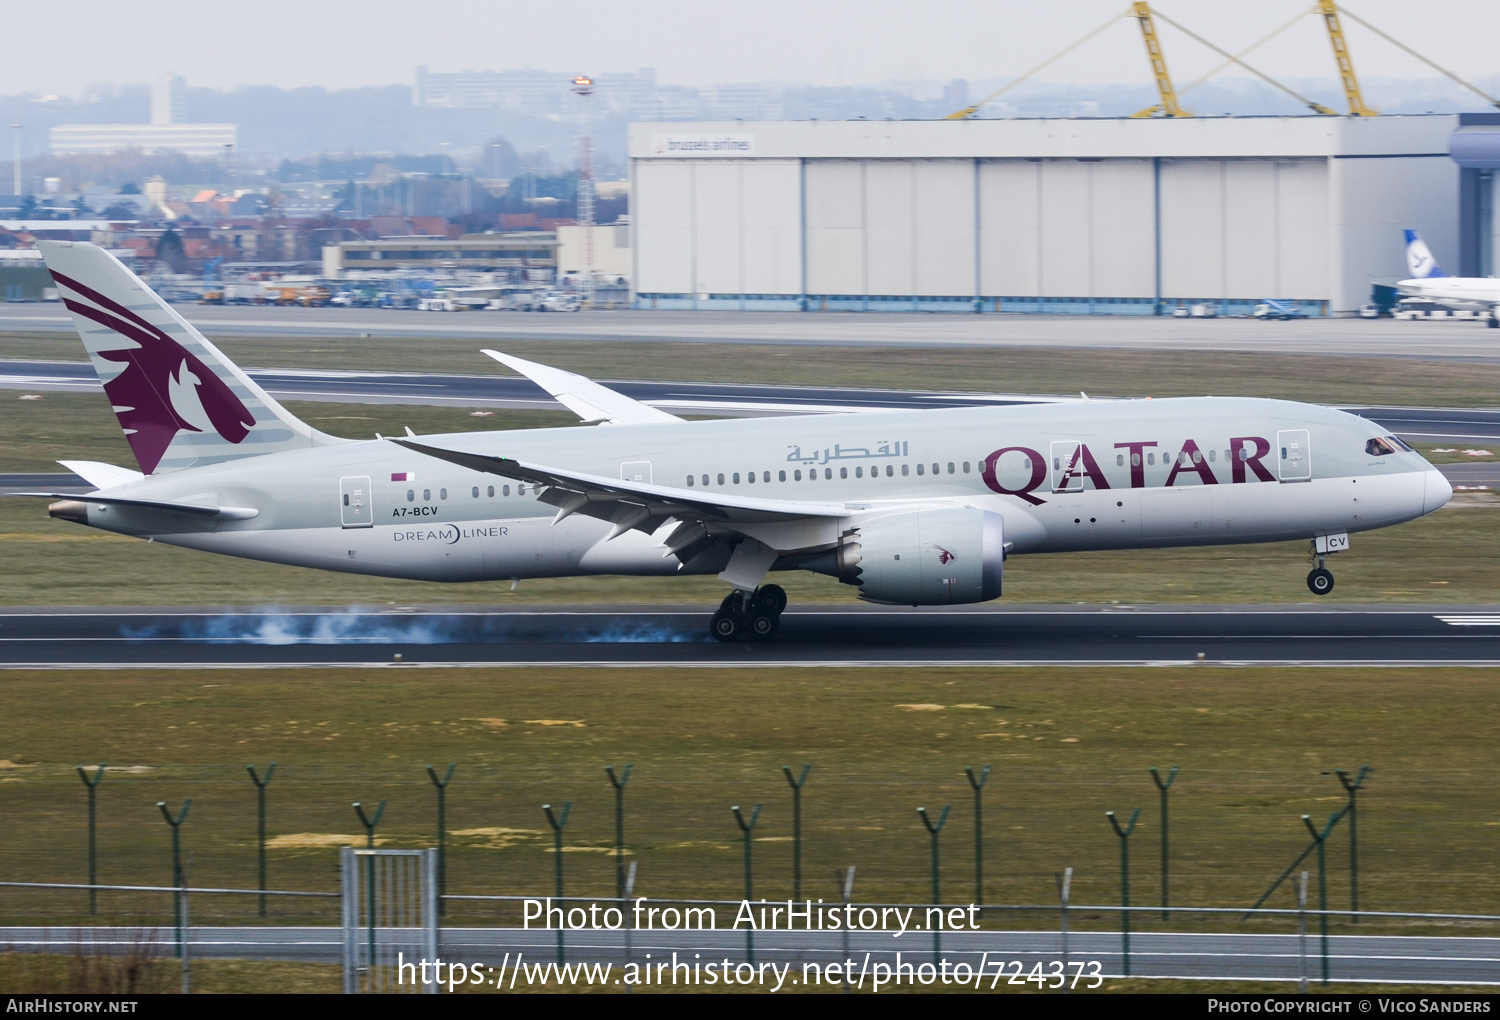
(163, 388)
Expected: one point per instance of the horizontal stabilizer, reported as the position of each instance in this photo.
(223, 513)
(584, 397)
(101, 476)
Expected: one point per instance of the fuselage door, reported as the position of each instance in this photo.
(636, 471)
(1066, 469)
(1294, 452)
(355, 510)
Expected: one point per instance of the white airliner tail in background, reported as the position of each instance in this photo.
(1419, 261)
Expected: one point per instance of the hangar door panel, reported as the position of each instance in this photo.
(718, 217)
(944, 228)
(1192, 229)
(1066, 259)
(835, 228)
(890, 213)
(773, 215)
(663, 227)
(1302, 229)
(1250, 221)
(1008, 227)
(1124, 229)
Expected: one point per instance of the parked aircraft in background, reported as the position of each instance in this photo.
(912, 507)
(1429, 283)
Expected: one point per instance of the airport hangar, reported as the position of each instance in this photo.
(1104, 216)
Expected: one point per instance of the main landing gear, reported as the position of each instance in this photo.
(749, 616)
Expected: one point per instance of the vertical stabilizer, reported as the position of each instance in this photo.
(1419, 261)
(180, 401)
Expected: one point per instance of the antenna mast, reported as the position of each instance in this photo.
(583, 87)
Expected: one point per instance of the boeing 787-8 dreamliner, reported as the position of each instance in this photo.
(911, 507)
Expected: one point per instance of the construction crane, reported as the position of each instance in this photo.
(1168, 107)
(1329, 9)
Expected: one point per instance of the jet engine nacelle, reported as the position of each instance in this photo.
(926, 558)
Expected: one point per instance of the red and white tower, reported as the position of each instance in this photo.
(583, 87)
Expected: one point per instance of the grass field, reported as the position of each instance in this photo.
(1099, 372)
(1255, 746)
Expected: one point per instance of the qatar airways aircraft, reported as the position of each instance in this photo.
(912, 507)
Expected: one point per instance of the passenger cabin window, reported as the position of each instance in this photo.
(690, 481)
(721, 478)
(426, 495)
(921, 469)
(859, 472)
(966, 467)
(890, 471)
(765, 476)
(781, 476)
(906, 469)
(950, 467)
(491, 492)
(705, 479)
(476, 492)
(1151, 458)
(505, 491)
(797, 476)
(828, 474)
(736, 478)
(843, 472)
(1135, 459)
(411, 495)
(1119, 460)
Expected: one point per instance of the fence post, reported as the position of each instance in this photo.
(260, 814)
(369, 824)
(1064, 880)
(557, 870)
(92, 785)
(1319, 838)
(442, 859)
(933, 831)
(747, 828)
(796, 785)
(629, 891)
(619, 785)
(1164, 787)
(186, 927)
(1124, 835)
(845, 881)
(1302, 932)
(1352, 787)
(978, 785)
(176, 862)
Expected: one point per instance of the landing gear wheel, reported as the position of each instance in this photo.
(726, 626)
(1494, 321)
(771, 599)
(763, 626)
(1320, 581)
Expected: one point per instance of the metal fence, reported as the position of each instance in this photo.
(390, 928)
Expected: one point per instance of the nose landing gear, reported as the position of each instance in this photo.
(749, 616)
(1320, 581)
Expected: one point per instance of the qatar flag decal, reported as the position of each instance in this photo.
(403, 476)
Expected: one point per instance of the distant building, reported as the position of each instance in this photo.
(539, 93)
(485, 252)
(611, 250)
(167, 131)
(1117, 216)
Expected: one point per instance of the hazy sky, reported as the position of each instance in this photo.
(62, 46)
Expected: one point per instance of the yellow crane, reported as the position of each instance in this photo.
(1329, 9)
(1168, 107)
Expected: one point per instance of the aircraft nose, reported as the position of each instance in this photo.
(1437, 491)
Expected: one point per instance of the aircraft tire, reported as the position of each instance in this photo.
(763, 626)
(771, 599)
(1320, 581)
(1493, 322)
(726, 627)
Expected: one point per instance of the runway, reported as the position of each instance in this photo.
(1191, 955)
(1415, 424)
(1461, 339)
(635, 636)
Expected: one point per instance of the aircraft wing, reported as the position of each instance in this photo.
(776, 526)
(584, 397)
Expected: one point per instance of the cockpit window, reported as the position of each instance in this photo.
(1385, 446)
